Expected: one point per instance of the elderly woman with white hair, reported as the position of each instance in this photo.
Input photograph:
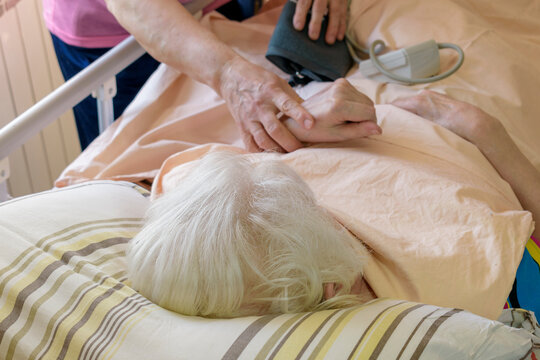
(244, 236)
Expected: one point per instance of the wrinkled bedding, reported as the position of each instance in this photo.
(442, 226)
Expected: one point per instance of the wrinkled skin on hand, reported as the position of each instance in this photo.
(490, 137)
(463, 119)
(341, 113)
(255, 97)
(337, 15)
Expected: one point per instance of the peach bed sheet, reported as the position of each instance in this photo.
(442, 226)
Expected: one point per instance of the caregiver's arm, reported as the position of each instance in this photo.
(341, 113)
(254, 96)
(489, 135)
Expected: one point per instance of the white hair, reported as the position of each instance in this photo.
(242, 237)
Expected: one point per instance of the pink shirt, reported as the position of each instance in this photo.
(88, 23)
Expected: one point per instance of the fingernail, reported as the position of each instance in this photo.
(330, 38)
(308, 123)
(375, 131)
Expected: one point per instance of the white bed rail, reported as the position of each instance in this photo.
(97, 78)
(29, 123)
(4, 174)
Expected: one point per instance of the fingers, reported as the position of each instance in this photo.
(250, 143)
(266, 132)
(343, 25)
(255, 137)
(262, 139)
(343, 89)
(349, 104)
(318, 10)
(255, 100)
(259, 138)
(300, 14)
(247, 138)
(273, 135)
(337, 14)
(425, 104)
(354, 111)
(464, 119)
(360, 119)
(292, 108)
(410, 104)
(428, 104)
(337, 24)
(356, 130)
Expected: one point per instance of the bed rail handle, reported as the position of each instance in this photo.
(105, 108)
(4, 174)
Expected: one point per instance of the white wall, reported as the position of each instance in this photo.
(28, 72)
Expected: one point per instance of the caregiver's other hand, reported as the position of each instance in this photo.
(337, 15)
(341, 113)
(255, 97)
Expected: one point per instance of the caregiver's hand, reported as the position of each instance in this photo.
(341, 113)
(255, 97)
(491, 138)
(337, 14)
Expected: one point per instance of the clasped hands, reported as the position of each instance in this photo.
(341, 113)
(256, 99)
(256, 96)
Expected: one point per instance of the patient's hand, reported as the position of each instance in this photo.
(341, 113)
(489, 135)
(466, 120)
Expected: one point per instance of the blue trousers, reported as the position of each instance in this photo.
(239, 10)
(73, 59)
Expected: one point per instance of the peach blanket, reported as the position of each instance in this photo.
(442, 226)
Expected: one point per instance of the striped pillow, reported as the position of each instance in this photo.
(64, 295)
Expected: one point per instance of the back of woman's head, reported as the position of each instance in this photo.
(242, 237)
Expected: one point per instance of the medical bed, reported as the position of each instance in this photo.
(419, 196)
